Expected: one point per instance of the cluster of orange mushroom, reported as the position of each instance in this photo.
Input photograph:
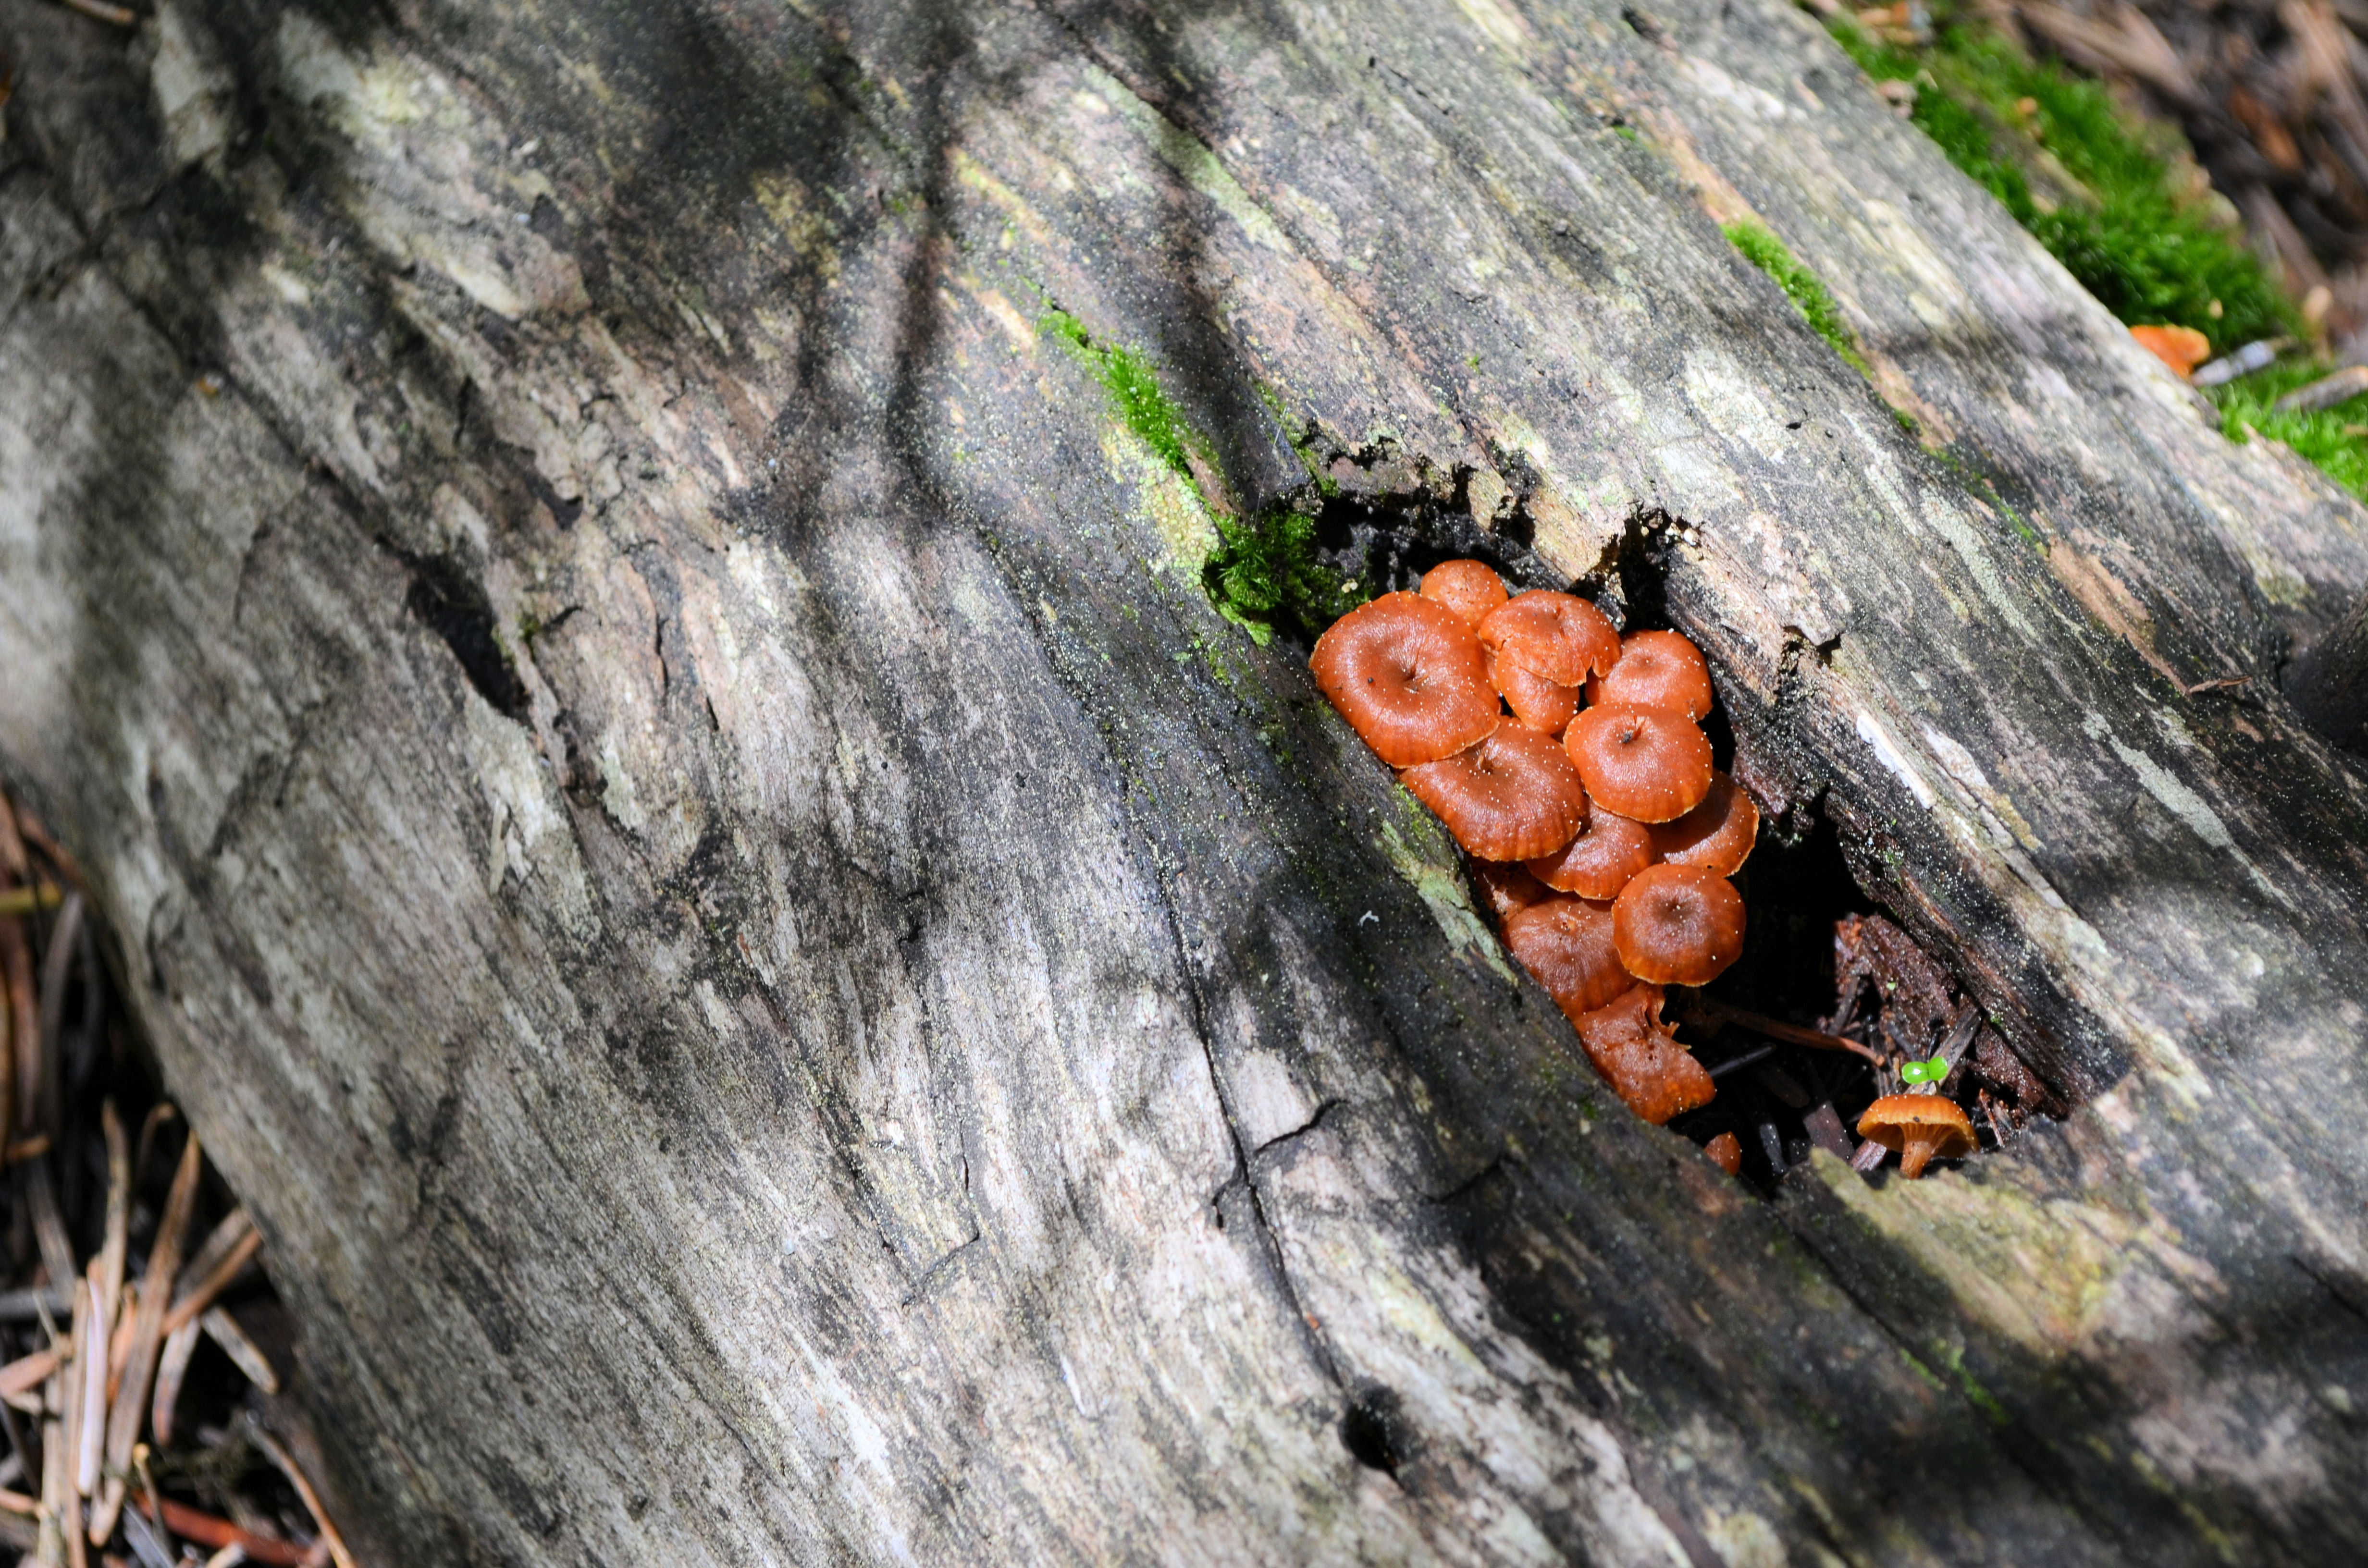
(1569, 762)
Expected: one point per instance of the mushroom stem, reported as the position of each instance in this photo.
(1916, 1149)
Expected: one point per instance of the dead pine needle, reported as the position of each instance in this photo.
(99, 10)
(280, 1457)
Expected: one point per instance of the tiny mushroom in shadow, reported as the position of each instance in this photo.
(1725, 1152)
(1923, 1127)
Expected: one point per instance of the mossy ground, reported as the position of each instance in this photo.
(2151, 247)
(2149, 252)
(2333, 438)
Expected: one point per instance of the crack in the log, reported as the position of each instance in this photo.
(923, 1280)
(1304, 1128)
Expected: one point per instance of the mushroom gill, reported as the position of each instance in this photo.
(1409, 677)
(1513, 797)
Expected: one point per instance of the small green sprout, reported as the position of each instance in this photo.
(1930, 1072)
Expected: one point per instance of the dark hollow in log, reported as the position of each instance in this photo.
(596, 597)
(2329, 684)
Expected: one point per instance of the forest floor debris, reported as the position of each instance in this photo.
(144, 1357)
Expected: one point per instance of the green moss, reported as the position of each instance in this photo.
(1803, 287)
(1134, 391)
(2147, 253)
(2330, 439)
(1265, 573)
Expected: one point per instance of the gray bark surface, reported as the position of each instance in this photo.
(783, 988)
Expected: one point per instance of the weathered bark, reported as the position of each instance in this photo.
(781, 985)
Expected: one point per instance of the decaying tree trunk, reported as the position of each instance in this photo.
(784, 988)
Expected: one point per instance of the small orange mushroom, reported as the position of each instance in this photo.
(2181, 347)
(1717, 836)
(1678, 926)
(1725, 1152)
(1409, 677)
(1535, 701)
(1923, 1128)
(1648, 764)
(1513, 797)
(1559, 636)
(1467, 587)
(1656, 669)
(1565, 944)
(1641, 1059)
(1597, 864)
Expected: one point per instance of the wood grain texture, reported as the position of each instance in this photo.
(783, 988)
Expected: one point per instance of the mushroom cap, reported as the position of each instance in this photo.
(1409, 677)
(1559, 636)
(1641, 1059)
(1656, 669)
(1508, 886)
(2181, 347)
(1921, 1127)
(1470, 588)
(1535, 701)
(1513, 797)
(1678, 926)
(1609, 850)
(1645, 763)
(1717, 836)
(1725, 1152)
(1565, 944)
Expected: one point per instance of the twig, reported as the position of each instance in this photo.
(223, 1330)
(99, 10)
(200, 1296)
(31, 1148)
(94, 1356)
(27, 1373)
(206, 1530)
(2229, 683)
(57, 964)
(278, 1455)
(1776, 1028)
(113, 1249)
(124, 1421)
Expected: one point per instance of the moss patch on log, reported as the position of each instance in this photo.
(1760, 247)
